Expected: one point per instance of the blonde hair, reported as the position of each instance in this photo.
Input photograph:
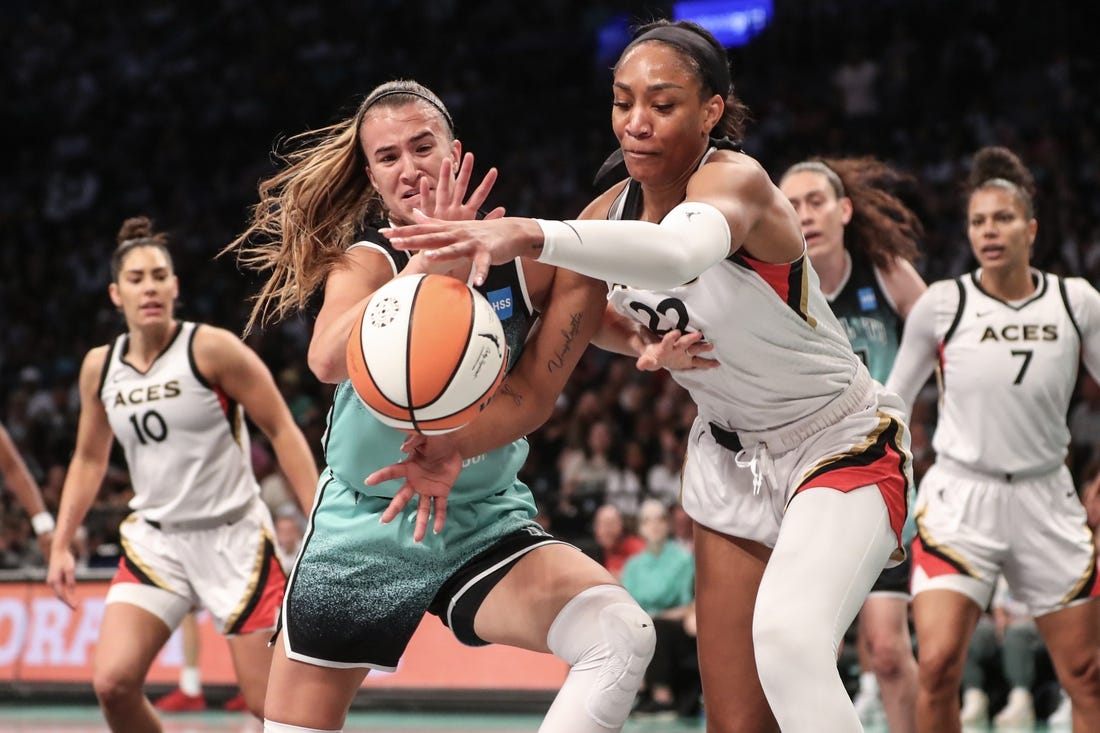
(309, 212)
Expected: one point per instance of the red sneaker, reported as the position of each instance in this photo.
(236, 703)
(177, 701)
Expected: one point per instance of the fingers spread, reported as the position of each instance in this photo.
(397, 504)
(440, 513)
(423, 516)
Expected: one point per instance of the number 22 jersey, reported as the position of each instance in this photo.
(185, 440)
(782, 354)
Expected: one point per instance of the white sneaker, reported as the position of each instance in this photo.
(975, 707)
(1063, 714)
(869, 707)
(1018, 711)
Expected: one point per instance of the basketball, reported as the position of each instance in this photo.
(426, 353)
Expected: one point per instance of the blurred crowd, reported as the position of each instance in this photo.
(172, 110)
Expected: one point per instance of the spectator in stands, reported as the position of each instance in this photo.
(615, 544)
(662, 579)
(663, 479)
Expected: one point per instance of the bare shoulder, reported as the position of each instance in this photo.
(601, 205)
(732, 168)
(902, 283)
(216, 349)
(209, 337)
(94, 361)
(91, 370)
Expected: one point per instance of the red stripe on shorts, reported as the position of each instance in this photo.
(932, 563)
(881, 464)
(262, 608)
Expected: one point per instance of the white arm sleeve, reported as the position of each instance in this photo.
(691, 238)
(919, 343)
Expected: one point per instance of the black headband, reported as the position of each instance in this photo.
(414, 93)
(714, 66)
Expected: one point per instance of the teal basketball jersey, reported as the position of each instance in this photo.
(868, 317)
(357, 444)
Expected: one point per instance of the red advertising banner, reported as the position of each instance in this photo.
(43, 640)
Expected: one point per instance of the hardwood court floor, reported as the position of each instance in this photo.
(21, 718)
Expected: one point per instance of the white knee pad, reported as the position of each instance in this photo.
(271, 726)
(608, 640)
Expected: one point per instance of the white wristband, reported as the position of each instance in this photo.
(42, 523)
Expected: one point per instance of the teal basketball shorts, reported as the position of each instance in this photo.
(360, 588)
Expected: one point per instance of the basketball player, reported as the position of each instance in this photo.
(797, 467)
(360, 587)
(1008, 341)
(172, 393)
(17, 477)
(862, 241)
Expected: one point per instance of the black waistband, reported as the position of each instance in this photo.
(725, 438)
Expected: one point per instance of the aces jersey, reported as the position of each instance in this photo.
(185, 440)
(1007, 369)
(782, 353)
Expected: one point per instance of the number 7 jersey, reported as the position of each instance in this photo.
(185, 440)
(1007, 370)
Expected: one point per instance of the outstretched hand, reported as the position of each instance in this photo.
(450, 202)
(677, 350)
(429, 472)
(486, 242)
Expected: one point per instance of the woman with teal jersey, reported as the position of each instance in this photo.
(365, 577)
(662, 579)
(862, 241)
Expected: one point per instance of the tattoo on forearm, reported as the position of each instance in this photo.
(558, 362)
(506, 390)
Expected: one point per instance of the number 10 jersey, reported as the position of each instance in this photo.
(186, 443)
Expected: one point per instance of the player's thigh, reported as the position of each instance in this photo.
(944, 621)
(308, 695)
(1072, 636)
(519, 610)
(727, 577)
(129, 639)
(252, 662)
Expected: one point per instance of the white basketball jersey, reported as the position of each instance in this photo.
(782, 353)
(1008, 370)
(185, 441)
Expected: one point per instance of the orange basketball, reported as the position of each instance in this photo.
(426, 353)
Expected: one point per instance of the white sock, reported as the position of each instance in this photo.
(868, 683)
(271, 726)
(191, 681)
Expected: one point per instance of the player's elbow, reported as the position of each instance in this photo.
(329, 366)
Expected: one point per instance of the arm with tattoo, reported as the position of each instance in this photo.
(526, 398)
